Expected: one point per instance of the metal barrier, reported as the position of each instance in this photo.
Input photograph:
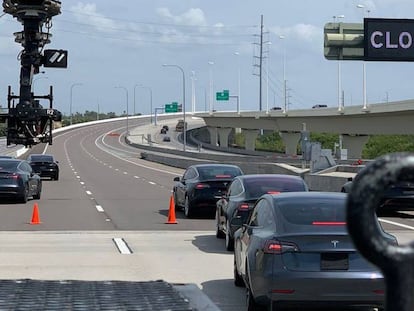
(395, 261)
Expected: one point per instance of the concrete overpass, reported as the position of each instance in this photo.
(354, 123)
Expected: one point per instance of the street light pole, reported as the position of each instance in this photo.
(134, 96)
(238, 81)
(211, 85)
(71, 99)
(127, 109)
(281, 37)
(340, 102)
(185, 124)
(364, 73)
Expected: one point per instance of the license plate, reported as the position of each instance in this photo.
(334, 261)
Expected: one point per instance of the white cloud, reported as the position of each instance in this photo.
(192, 17)
(87, 13)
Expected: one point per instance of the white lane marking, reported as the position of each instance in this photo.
(82, 182)
(88, 192)
(99, 208)
(108, 151)
(125, 173)
(152, 183)
(122, 246)
(396, 224)
(137, 177)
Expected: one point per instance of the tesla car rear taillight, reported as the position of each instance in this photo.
(277, 247)
(202, 186)
(243, 207)
(329, 223)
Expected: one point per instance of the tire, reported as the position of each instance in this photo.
(56, 177)
(176, 206)
(38, 194)
(229, 239)
(219, 233)
(238, 280)
(252, 305)
(25, 196)
(188, 211)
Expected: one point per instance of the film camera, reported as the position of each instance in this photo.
(28, 122)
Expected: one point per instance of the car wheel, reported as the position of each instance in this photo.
(188, 211)
(229, 239)
(219, 232)
(38, 193)
(24, 197)
(238, 280)
(56, 176)
(176, 206)
(252, 305)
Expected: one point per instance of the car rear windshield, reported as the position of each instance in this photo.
(41, 158)
(8, 166)
(313, 214)
(218, 172)
(256, 187)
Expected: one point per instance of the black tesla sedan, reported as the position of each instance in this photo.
(45, 165)
(295, 250)
(241, 195)
(17, 180)
(201, 186)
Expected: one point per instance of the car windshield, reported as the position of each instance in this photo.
(218, 172)
(256, 187)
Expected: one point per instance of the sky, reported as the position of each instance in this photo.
(117, 50)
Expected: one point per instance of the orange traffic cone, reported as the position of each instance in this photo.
(35, 215)
(171, 212)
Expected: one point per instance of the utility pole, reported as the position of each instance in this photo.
(261, 63)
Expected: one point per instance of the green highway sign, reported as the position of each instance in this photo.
(223, 95)
(173, 107)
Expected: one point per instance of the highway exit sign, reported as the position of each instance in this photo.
(173, 107)
(223, 95)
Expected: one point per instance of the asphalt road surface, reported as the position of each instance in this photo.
(105, 219)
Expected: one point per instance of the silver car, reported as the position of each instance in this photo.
(295, 251)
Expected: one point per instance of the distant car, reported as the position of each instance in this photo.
(398, 197)
(241, 195)
(180, 126)
(201, 186)
(163, 131)
(276, 108)
(45, 165)
(17, 180)
(166, 138)
(166, 127)
(320, 106)
(295, 250)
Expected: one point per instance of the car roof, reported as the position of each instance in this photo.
(269, 176)
(307, 195)
(214, 164)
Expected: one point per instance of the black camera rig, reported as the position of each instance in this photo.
(28, 123)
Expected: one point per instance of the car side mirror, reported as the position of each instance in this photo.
(176, 179)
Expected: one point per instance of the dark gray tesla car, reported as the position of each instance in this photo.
(241, 195)
(295, 251)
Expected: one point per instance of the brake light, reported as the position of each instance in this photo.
(202, 186)
(273, 192)
(277, 247)
(243, 207)
(329, 223)
(223, 176)
(283, 291)
(379, 291)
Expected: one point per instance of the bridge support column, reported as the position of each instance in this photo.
(224, 133)
(291, 141)
(213, 135)
(250, 139)
(354, 144)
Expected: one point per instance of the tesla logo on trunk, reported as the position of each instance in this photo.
(334, 243)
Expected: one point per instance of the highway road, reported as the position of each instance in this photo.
(105, 220)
